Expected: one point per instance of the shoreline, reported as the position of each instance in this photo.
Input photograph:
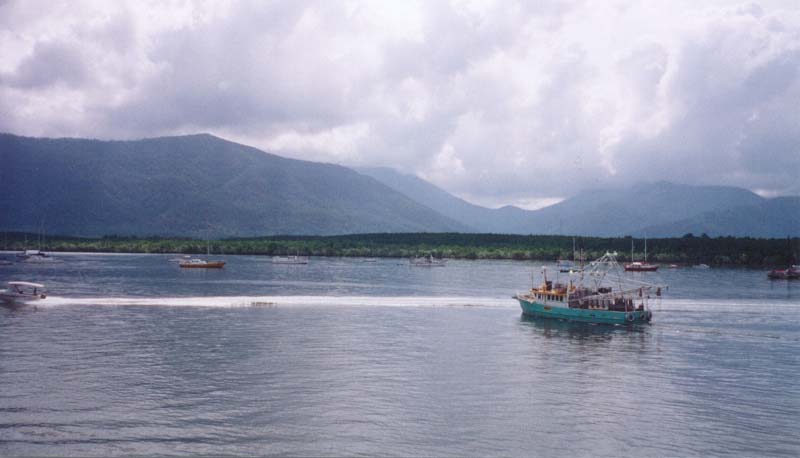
(684, 251)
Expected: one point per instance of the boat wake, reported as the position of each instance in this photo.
(665, 306)
(284, 301)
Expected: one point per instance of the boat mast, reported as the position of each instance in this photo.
(631, 249)
(573, 251)
(645, 248)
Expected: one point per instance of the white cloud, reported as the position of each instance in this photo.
(505, 101)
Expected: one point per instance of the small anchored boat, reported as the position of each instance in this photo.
(197, 263)
(599, 294)
(637, 266)
(35, 256)
(792, 273)
(22, 292)
(567, 266)
(290, 259)
(427, 261)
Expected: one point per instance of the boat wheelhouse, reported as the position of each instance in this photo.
(22, 292)
(599, 294)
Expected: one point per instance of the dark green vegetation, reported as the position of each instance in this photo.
(689, 249)
(191, 186)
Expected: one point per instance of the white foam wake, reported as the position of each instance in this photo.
(284, 301)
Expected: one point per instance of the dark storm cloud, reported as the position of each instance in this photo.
(49, 64)
(497, 101)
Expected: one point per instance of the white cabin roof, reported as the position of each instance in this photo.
(26, 283)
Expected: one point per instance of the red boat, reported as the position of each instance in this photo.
(792, 273)
(202, 264)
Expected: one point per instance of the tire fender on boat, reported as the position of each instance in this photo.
(629, 316)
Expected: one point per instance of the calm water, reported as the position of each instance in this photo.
(133, 356)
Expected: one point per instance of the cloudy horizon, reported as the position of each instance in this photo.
(497, 102)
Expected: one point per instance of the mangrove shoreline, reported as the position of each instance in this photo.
(689, 249)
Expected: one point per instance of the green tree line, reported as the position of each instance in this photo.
(689, 249)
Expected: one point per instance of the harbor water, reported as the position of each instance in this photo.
(131, 355)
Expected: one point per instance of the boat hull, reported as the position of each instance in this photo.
(207, 265)
(19, 299)
(646, 268)
(536, 309)
(784, 275)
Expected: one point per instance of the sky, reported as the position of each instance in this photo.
(499, 102)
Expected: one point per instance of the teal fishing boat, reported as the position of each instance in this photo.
(599, 294)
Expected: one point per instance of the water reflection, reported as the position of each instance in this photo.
(551, 328)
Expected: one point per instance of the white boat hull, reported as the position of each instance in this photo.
(11, 298)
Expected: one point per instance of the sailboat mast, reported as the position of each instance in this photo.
(645, 248)
(573, 251)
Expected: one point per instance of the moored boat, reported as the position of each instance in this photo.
(567, 266)
(34, 256)
(197, 263)
(792, 273)
(290, 259)
(598, 295)
(22, 292)
(427, 261)
(640, 267)
(637, 266)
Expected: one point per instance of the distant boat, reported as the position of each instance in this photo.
(199, 263)
(290, 259)
(792, 273)
(640, 267)
(35, 256)
(567, 266)
(22, 292)
(636, 266)
(702, 266)
(180, 259)
(427, 261)
(369, 260)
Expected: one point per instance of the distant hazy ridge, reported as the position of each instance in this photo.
(199, 184)
(658, 209)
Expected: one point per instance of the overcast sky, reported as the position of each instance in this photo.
(499, 102)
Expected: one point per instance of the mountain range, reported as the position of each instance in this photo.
(660, 209)
(204, 186)
(196, 185)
